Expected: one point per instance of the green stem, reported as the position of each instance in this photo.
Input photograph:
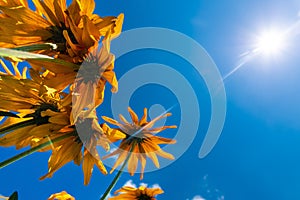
(32, 150)
(17, 126)
(117, 177)
(36, 47)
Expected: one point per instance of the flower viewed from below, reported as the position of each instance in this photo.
(52, 106)
(38, 110)
(41, 111)
(73, 29)
(61, 196)
(69, 33)
(140, 142)
(43, 115)
(141, 193)
(80, 148)
(89, 85)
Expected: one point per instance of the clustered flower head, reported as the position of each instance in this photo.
(52, 104)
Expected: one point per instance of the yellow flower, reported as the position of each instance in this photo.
(88, 135)
(73, 29)
(89, 85)
(141, 193)
(45, 116)
(41, 111)
(88, 80)
(61, 196)
(140, 140)
(75, 32)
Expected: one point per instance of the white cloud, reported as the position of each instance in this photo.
(155, 186)
(130, 184)
(198, 197)
(144, 184)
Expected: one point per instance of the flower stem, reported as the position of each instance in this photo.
(32, 150)
(17, 126)
(117, 177)
(36, 47)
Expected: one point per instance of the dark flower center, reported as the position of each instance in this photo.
(136, 135)
(84, 130)
(89, 70)
(39, 120)
(59, 39)
(144, 197)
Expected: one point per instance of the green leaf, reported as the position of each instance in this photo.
(14, 196)
(37, 47)
(4, 52)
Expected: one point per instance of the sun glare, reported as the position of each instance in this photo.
(270, 42)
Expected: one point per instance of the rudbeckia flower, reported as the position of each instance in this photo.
(140, 142)
(41, 111)
(87, 82)
(43, 114)
(73, 30)
(89, 85)
(61, 196)
(81, 148)
(141, 193)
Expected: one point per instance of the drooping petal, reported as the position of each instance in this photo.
(111, 121)
(133, 161)
(89, 161)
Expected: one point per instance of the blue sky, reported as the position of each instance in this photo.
(257, 155)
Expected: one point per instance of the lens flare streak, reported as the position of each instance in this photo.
(268, 43)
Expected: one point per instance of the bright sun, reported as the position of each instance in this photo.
(270, 42)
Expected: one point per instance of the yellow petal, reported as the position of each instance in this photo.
(90, 35)
(87, 7)
(144, 118)
(122, 118)
(118, 26)
(25, 15)
(59, 8)
(151, 155)
(133, 162)
(110, 120)
(133, 115)
(61, 196)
